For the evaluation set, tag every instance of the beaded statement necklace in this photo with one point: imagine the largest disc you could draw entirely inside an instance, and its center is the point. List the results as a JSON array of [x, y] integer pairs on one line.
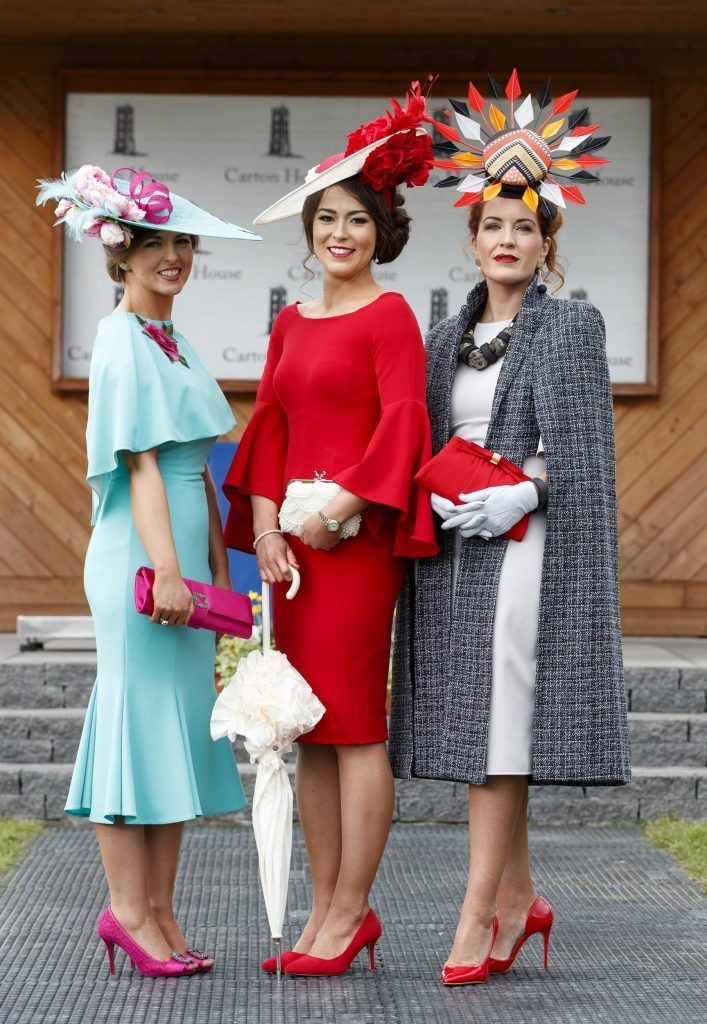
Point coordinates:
[[478, 357]]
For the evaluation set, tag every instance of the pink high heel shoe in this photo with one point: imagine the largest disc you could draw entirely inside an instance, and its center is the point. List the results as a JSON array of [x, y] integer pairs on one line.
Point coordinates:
[[113, 934]]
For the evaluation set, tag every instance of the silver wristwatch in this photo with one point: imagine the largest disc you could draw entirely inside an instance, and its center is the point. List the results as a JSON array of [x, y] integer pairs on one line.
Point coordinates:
[[332, 525]]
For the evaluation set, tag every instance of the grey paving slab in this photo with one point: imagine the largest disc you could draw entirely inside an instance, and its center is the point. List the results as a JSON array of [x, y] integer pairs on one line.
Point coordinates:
[[626, 949]]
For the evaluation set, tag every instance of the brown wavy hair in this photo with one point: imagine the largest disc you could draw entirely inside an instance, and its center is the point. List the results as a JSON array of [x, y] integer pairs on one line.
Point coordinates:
[[548, 229]]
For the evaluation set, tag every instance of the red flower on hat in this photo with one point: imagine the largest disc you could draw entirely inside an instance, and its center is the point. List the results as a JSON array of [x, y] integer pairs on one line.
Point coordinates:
[[398, 120], [404, 158]]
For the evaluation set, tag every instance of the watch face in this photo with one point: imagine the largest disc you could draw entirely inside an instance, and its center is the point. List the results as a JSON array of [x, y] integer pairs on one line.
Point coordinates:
[[332, 526]]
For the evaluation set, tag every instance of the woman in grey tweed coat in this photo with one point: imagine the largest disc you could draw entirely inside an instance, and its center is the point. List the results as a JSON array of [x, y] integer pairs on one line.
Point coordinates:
[[553, 388]]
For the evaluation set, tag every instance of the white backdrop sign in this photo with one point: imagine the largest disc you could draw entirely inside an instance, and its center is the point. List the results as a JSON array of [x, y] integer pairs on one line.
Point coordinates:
[[236, 154]]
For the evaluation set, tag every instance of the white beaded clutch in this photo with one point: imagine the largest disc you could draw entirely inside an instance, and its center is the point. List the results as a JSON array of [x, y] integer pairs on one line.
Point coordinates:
[[304, 498]]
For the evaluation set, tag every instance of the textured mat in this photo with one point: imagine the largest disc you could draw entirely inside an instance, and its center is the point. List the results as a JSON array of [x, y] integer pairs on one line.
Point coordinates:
[[627, 945]]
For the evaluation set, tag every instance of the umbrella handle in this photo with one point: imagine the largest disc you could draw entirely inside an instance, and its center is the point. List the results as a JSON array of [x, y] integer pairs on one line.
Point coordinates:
[[291, 593]]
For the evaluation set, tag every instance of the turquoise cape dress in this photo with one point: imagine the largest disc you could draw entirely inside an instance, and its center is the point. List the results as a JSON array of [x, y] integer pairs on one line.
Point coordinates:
[[146, 753]]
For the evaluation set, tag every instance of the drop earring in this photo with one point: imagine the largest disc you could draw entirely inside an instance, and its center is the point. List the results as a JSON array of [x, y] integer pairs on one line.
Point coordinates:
[[477, 261]]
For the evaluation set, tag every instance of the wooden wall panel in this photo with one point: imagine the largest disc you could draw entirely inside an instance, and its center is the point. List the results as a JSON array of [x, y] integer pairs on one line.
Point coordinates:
[[44, 504]]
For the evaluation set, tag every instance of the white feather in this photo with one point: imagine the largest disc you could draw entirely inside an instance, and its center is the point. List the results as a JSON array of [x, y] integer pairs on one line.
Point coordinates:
[[569, 143], [525, 113], [552, 193], [469, 129], [472, 183]]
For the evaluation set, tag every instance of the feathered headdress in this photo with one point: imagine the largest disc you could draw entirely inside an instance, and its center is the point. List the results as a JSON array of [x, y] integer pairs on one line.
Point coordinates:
[[391, 150], [539, 155]]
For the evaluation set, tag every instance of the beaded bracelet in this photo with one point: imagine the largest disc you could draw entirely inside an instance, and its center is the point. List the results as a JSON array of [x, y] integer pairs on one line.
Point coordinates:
[[264, 534]]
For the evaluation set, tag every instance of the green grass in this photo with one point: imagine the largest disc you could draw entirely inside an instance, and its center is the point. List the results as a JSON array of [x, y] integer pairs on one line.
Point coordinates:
[[687, 841], [15, 836]]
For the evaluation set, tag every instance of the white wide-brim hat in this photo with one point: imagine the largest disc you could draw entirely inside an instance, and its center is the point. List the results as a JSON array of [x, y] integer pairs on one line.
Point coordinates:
[[330, 172]]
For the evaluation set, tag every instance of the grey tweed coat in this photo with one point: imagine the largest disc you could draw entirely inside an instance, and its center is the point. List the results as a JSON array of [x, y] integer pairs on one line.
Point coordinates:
[[554, 382]]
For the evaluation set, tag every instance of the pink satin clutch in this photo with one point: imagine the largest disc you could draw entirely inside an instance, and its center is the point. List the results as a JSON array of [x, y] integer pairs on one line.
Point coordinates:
[[215, 608]]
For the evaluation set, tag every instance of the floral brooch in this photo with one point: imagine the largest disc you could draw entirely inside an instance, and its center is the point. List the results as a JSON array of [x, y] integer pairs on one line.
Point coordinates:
[[164, 337]]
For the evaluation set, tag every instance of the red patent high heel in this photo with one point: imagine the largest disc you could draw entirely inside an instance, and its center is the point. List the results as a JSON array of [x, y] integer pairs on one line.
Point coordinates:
[[367, 935], [538, 922], [470, 974], [113, 934]]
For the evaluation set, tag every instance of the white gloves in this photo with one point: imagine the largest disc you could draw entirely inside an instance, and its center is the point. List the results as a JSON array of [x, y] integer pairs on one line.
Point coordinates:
[[487, 513]]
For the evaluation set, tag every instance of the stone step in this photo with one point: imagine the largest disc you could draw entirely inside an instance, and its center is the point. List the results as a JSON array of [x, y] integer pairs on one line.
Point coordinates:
[[60, 680], [38, 735], [39, 791], [666, 689], [35, 735], [668, 739], [43, 680]]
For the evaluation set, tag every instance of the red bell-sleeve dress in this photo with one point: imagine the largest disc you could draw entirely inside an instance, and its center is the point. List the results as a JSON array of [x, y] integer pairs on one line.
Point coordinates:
[[342, 396]]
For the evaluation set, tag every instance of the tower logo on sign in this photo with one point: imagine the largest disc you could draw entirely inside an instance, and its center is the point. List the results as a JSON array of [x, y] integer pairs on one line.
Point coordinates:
[[278, 301], [125, 131], [439, 305], [280, 133]]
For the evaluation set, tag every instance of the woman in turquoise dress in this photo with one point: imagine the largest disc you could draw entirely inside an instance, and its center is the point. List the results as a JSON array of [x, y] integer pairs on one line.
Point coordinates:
[[146, 762]]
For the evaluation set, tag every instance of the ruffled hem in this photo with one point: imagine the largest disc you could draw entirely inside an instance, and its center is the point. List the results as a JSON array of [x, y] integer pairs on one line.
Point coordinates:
[[257, 468], [103, 788], [400, 445]]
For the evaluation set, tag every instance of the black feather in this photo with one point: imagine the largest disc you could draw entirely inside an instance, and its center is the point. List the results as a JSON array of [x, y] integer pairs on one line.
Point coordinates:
[[548, 210], [578, 117], [494, 88], [591, 145], [445, 147], [585, 176], [544, 97], [460, 107], [447, 182]]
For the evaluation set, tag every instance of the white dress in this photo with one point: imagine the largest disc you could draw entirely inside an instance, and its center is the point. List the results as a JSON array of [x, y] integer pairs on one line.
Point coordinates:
[[518, 601]]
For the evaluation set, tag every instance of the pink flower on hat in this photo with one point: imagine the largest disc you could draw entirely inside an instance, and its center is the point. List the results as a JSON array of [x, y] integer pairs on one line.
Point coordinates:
[[92, 227], [63, 207], [89, 176], [113, 235]]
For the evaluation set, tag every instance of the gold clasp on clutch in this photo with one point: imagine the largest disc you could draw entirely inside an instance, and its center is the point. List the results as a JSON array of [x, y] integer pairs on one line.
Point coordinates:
[[495, 459]]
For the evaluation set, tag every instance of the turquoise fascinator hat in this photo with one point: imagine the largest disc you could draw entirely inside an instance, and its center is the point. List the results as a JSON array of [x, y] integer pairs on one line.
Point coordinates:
[[91, 202]]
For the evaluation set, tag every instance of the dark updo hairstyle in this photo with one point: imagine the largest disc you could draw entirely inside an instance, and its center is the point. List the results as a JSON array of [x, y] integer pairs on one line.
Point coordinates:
[[392, 224], [548, 229], [115, 255]]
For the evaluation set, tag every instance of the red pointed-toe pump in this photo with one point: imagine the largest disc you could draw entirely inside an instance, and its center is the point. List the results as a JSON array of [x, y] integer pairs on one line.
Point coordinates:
[[367, 935], [470, 974], [286, 957], [538, 922]]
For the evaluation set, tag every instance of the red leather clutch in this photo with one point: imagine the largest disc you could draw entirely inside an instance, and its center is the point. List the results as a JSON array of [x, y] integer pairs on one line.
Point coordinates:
[[463, 466], [215, 608]]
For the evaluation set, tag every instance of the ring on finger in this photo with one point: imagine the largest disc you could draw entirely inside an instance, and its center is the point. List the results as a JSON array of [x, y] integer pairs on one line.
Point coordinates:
[[164, 622]]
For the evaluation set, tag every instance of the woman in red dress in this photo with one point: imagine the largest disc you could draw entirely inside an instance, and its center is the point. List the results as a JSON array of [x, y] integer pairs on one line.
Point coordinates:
[[342, 397]]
